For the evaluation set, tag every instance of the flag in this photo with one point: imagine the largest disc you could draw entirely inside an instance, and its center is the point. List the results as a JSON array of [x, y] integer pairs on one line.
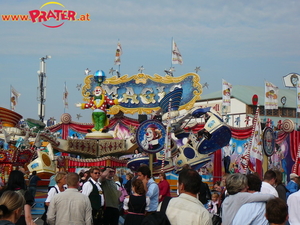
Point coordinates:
[[298, 96], [14, 95], [226, 92], [271, 96], [176, 56], [118, 54], [65, 96], [254, 147]]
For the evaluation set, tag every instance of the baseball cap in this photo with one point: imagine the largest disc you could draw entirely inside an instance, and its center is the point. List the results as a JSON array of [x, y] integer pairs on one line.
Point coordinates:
[[293, 175]]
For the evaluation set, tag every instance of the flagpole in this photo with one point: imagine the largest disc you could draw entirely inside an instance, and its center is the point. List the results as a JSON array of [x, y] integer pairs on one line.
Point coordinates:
[[10, 98], [172, 41], [296, 109], [120, 59], [65, 98]]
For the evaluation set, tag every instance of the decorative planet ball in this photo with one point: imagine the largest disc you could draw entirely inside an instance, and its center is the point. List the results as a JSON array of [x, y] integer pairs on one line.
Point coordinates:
[[99, 76]]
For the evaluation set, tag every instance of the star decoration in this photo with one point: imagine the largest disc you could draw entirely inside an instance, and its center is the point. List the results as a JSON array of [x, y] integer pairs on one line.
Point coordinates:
[[170, 71], [197, 69], [87, 71], [78, 116], [205, 85], [141, 69], [78, 87], [111, 71]]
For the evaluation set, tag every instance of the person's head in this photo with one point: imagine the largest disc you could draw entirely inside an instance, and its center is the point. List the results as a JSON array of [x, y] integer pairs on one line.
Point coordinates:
[[144, 173], [270, 177], [162, 176], [60, 178], [81, 174], [217, 186], [294, 177], [223, 182], [254, 183], [278, 177], [34, 172], [116, 178], [95, 173], [276, 211], [16, 180], [86, 174], [186, 167], [136, 151], [129, 176], [11, 205], [111, 172], [72, 180], [236, 183], [215, 196], [189, 182], [138, 187]]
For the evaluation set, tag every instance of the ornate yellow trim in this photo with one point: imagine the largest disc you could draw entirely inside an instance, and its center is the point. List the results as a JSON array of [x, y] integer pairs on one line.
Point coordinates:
[[143, 78]]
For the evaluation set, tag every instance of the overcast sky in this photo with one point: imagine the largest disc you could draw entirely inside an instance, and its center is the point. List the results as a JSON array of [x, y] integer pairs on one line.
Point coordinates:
[[243, 42]]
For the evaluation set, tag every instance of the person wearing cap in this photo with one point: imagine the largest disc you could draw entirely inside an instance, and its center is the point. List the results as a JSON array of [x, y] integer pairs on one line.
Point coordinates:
[[111, 195], [292, 186]]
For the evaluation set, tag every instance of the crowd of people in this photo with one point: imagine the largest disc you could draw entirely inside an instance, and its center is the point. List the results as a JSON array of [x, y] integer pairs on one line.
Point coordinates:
[[96, 196]]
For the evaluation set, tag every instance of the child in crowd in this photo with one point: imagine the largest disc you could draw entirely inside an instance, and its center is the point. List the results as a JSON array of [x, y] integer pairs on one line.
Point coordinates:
[[213, 205]]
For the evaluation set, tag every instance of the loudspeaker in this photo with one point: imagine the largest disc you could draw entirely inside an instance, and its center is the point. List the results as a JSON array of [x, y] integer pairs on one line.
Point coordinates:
[[142, 118]]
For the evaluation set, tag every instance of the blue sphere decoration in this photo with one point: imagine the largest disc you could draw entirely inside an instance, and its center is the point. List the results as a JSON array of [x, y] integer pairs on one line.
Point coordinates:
[[99, 76]]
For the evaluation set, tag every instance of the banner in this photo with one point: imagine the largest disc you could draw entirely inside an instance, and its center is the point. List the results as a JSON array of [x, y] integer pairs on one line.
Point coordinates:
[[118, 54], [14, 95], [176, 56], [226, 92], [256, 144], [271, 96]]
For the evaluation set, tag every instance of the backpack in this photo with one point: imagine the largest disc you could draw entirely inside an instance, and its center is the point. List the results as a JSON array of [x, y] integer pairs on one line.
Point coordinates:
[[44, 216], [158, 218], [123, 193]]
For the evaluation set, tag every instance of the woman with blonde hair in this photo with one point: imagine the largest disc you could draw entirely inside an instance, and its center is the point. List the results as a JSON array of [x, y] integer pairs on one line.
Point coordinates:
[[16, 182], [60, 180], [127, 186], [11, 207]]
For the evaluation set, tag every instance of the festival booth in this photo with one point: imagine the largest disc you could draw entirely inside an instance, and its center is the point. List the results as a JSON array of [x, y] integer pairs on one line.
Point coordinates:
[[12, 154]]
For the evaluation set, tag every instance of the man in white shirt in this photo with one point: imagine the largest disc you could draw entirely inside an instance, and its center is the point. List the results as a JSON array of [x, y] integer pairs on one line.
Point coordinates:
[[186, 208], [268, 183], [92, 188], [61, 209], [293, 202]]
